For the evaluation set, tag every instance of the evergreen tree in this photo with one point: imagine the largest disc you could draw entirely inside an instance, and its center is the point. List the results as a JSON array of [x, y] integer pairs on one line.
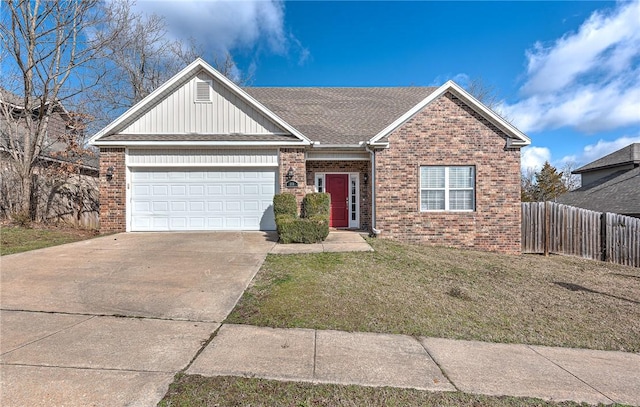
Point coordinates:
[[549, 183]]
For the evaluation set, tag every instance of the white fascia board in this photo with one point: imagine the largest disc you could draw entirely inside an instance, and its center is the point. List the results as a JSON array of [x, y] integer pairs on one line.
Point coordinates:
[[198, 64], [338, 146], [520, 139], [116, 143]]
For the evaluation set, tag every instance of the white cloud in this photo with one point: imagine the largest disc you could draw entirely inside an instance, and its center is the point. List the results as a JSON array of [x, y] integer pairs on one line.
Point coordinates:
[[226, 26], [588, 80], [598, 150], [534, 157]]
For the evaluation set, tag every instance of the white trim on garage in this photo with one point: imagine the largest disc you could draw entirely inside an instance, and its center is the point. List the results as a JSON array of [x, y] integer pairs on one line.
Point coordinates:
[[174, 157]]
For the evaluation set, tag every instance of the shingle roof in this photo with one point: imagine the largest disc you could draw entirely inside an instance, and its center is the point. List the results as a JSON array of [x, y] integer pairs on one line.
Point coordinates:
[[340, 115], [626, 155], [616, 193]]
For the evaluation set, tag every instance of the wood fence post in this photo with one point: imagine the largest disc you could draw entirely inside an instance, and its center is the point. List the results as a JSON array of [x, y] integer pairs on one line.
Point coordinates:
[[604, 246], [547, 227]]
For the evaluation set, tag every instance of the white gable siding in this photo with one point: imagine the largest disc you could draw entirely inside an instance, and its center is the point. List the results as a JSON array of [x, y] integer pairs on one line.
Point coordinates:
[[179, 113]]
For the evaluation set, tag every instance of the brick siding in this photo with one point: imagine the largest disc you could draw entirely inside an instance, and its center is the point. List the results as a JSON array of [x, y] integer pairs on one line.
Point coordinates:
[[361, 167], [447, 132], [293, 158], [112, 192]]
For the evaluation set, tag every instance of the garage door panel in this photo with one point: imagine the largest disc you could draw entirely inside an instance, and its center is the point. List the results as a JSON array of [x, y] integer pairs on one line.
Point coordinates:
[[216, 199]]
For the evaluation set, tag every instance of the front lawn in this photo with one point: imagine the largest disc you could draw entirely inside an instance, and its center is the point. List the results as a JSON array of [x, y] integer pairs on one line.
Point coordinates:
[[16, 239], [194, 390], [441, 292]]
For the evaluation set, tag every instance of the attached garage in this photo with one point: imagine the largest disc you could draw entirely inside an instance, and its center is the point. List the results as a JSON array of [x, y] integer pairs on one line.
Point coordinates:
[[202, 199], [197, 154], [201, 189]]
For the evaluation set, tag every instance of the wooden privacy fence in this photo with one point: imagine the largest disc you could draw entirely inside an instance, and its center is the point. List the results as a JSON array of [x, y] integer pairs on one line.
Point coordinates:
[[549, 227]]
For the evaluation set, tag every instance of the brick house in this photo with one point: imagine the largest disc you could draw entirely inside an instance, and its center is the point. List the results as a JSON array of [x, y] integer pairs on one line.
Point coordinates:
[[421, 164]]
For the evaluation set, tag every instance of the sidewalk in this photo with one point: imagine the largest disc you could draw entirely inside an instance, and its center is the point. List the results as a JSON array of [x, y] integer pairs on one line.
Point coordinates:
[[369, 359], [337, 241]]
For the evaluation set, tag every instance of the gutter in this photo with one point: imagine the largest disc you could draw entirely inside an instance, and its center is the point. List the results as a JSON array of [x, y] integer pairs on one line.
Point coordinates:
[[374, 231]]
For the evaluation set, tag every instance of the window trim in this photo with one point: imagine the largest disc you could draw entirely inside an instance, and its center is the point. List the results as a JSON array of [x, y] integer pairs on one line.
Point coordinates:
[[446, 189]]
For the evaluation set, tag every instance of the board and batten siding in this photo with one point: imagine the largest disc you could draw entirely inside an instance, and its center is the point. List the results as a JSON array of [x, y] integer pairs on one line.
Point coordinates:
[[145, 157], [179, 113]]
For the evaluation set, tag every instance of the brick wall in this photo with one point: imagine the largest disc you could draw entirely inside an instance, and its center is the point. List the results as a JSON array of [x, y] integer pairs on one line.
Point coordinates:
[[362, 167], [293, 158], [447, 132], [112, 192]]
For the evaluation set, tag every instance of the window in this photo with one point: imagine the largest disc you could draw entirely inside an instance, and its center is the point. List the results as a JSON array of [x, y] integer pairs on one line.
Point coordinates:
[[203, 91], [447, 188], [320, 182]]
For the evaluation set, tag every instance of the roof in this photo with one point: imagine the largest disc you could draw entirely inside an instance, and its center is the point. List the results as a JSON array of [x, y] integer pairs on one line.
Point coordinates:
[[340, 115], [627, 155], [616, 193], [199, 65], [328, 116]]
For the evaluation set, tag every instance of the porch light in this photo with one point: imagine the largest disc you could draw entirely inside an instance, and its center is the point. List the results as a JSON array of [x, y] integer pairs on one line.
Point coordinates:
[[109, 173], [290, 174]]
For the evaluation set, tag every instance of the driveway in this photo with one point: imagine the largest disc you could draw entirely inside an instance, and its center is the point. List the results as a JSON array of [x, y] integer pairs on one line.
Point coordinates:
[[109, 321]]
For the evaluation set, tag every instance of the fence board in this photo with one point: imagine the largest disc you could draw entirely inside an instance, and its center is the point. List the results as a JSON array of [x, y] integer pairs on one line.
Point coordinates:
[[562, 229]]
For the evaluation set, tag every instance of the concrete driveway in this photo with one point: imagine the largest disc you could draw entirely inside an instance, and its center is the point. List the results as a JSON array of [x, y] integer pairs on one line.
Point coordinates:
[[109, 321]]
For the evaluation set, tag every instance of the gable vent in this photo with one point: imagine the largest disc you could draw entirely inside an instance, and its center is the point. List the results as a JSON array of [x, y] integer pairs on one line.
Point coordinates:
[[203, 91]]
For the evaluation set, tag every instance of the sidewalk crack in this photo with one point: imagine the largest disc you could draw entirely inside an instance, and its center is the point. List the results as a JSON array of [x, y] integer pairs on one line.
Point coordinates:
[[446, 376], [48, 336], [571, 373], [315, 352]]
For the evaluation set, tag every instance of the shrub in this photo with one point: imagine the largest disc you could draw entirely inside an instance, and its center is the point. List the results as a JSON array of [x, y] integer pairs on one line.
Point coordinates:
[[302, 230], [316, 204], [285, 204], [312, 227]]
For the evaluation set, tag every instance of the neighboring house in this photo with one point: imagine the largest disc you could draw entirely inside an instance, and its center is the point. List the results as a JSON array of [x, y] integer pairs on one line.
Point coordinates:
[[609, 184], [420, 164], [68, 194]]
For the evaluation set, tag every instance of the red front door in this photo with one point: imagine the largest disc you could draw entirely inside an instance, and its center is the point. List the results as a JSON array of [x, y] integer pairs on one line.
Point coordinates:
[[338, 187]]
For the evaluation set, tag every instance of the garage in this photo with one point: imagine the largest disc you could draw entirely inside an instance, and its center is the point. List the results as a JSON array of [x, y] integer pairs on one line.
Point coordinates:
[[202, 199]]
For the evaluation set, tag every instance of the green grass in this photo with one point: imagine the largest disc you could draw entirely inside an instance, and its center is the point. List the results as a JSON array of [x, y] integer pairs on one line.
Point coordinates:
[[194, 390], [441, 292], [16, 239]]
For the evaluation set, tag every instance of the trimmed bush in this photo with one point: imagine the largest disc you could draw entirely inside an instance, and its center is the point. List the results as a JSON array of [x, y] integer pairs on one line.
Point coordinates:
[[285, 204], [302, 230], [312, 227], [316, 204]]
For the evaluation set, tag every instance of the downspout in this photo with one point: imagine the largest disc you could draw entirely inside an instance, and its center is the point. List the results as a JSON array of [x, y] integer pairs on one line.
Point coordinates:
[[374, 231]]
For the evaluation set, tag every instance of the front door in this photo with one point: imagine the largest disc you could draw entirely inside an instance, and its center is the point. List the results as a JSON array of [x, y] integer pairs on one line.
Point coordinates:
[[338, 187]]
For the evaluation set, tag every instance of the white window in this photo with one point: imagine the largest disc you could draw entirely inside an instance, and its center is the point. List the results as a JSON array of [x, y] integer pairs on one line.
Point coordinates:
[[203, 90], [447, 188]]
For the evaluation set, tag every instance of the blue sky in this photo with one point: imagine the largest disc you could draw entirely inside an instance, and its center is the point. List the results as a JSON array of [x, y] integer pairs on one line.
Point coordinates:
[[567, 73]]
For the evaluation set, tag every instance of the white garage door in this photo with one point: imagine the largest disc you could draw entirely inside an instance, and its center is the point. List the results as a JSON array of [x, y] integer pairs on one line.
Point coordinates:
[[202, 199]]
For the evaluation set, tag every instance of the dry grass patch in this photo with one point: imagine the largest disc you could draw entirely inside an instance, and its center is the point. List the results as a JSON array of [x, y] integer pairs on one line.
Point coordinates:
[[194, 390], [441, 292], [16, 239]]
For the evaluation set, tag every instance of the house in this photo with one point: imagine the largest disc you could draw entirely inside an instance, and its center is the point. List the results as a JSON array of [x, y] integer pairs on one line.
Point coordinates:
[[420, 164], [65, 178], [609, 184]]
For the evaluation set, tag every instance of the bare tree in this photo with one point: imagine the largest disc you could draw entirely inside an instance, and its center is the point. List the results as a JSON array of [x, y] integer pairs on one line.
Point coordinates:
[[142, 56], [487, 94], [528, 185], [47, 55], [570, 181]]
